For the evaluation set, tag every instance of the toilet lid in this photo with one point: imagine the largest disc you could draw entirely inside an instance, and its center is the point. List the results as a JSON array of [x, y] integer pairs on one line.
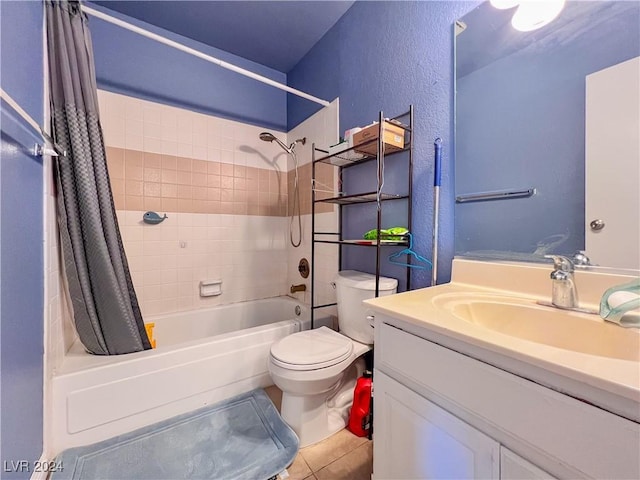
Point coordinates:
[[312, 349]]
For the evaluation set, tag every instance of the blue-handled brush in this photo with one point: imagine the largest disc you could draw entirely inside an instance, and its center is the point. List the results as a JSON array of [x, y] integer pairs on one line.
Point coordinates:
[[437, 181]]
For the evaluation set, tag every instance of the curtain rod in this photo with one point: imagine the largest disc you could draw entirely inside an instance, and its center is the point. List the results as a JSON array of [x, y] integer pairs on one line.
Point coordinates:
[[20, 111], [39, 150], [203, 56]]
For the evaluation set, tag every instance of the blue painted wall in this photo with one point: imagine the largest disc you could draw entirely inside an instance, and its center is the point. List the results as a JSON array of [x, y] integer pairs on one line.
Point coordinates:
[[386, 56], [130, 64], [241, 27], [21, 237], [521, 124]]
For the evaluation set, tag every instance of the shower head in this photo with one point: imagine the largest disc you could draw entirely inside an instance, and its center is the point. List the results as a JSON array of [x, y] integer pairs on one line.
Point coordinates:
[[270, 137], [267, 137]]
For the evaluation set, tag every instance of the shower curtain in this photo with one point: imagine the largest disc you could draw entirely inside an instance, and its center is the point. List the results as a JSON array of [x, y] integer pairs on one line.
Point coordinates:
[[105, 308]]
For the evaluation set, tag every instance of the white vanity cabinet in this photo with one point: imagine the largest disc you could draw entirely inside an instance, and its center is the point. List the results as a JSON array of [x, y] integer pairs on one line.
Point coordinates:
[[514, 467], [440, 413], [417, 439]]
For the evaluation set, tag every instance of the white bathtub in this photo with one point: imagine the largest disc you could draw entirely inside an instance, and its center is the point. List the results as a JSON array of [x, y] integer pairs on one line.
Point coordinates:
[[202, 357]]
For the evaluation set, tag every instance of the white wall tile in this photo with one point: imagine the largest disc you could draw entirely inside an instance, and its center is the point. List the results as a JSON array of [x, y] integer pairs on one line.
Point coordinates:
[[153, 145], [200, 152], [169, 119], [226, 156], [114, 132], [185, 127], [58, 331], [226, 127], [247, 253], [132, 233], [213, 140], [185, 150], [212, 251], [135, 248], [227, 143], [135, 263], [152, 278], [134, 142], [185, 303], [321, 129], [156, 131], [169, 147], [168, 132], [152, 113], [132, 107], [239, 158], [199, 130], [213, 154], [118, 104], [134, 127]]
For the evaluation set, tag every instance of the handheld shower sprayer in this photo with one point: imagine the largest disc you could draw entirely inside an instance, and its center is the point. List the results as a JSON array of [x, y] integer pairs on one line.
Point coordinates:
[[270, 137]]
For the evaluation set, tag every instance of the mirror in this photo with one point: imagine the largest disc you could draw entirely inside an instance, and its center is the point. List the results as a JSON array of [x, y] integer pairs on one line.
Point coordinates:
[[526, 124]]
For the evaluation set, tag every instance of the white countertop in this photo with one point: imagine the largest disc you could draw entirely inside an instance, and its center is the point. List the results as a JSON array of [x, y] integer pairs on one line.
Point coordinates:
[[611, 383]]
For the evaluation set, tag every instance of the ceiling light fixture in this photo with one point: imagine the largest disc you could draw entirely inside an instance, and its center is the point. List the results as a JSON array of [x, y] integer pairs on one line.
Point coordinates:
[[534, 14], [505, 4]]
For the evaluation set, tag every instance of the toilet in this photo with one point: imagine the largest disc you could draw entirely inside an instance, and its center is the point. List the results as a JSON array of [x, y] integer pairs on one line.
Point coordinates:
[[317, 369]]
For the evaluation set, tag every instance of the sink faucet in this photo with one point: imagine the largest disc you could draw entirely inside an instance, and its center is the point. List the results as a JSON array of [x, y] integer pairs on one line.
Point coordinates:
[[563, 293]]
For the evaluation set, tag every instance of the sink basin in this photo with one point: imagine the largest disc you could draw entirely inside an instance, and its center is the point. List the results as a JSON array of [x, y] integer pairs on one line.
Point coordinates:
[[529, 321]]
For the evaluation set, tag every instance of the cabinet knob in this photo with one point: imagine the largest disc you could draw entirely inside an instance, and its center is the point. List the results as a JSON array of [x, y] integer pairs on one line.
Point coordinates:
[[596, 225], [371, 319]]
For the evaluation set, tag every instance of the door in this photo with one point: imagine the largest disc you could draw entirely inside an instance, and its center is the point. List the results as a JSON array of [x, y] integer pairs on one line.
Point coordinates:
[[416, 439], [612, 164]]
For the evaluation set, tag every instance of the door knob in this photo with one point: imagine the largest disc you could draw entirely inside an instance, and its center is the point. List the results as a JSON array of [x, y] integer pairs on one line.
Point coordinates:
[[596, 225]]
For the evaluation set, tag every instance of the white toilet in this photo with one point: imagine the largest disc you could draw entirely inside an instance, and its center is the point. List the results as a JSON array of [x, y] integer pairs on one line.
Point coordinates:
[[317, 369]]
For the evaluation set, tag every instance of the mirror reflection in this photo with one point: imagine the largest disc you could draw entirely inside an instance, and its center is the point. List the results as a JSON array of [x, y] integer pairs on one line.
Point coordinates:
[[547, 134]]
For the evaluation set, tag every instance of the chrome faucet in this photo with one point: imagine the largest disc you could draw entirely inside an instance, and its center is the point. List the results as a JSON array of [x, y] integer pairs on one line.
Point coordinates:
[[580, 259], [563, 292]]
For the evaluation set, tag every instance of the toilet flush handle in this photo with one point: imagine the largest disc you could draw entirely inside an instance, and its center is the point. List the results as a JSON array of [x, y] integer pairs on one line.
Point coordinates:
[[371, 319]]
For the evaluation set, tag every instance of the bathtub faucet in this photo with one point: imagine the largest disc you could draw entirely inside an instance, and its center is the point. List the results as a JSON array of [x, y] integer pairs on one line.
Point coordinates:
[[298, 288]]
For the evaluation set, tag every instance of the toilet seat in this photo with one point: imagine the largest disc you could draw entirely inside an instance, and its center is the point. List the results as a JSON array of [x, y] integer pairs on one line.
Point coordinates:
[[311, 350]]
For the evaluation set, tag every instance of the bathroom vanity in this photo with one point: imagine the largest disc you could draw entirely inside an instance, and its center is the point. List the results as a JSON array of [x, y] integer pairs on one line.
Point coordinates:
[[475, 379]]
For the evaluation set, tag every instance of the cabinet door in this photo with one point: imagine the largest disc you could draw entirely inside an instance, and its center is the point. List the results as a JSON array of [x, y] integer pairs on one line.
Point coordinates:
[[416, 439], [514, 467]]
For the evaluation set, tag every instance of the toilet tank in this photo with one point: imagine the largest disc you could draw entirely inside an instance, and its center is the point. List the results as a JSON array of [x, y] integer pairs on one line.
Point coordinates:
[[352, 287]]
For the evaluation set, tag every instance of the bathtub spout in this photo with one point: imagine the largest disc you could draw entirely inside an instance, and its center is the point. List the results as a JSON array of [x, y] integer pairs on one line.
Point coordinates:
[[298, 288]]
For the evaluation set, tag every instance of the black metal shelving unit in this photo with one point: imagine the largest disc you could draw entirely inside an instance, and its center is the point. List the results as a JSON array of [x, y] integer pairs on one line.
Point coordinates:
[[348, 158]]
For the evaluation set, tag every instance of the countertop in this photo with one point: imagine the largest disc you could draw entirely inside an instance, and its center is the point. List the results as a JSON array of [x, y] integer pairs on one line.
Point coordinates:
[[610, 383]]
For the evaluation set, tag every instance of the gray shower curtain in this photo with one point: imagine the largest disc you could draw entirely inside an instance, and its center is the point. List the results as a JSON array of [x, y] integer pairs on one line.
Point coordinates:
[[105, 308]]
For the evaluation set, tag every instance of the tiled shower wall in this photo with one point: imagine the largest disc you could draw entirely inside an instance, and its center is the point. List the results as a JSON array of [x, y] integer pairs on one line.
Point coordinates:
[[323, 130], [150, 181], [223, 190], [226, 196], [227, 207]]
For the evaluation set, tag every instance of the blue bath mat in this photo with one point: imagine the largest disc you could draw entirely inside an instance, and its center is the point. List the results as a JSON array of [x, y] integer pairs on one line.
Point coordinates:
[[241, 438]]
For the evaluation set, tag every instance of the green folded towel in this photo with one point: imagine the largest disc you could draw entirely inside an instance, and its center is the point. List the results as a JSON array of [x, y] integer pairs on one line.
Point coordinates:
[[393, 234]]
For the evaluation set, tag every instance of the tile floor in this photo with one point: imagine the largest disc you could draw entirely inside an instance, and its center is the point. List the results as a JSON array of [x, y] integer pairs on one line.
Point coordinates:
[[341, 456]]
